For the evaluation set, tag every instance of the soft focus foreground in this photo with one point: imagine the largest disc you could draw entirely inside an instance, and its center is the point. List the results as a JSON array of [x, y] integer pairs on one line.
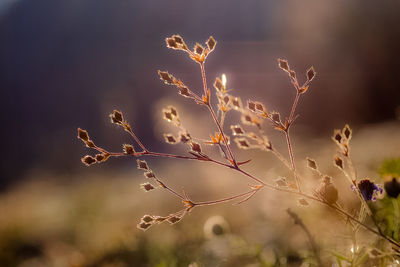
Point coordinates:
[[92, 221]]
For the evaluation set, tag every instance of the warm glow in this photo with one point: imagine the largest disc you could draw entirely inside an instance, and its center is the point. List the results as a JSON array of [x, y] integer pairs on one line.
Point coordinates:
[[223, 80], [354, 250]]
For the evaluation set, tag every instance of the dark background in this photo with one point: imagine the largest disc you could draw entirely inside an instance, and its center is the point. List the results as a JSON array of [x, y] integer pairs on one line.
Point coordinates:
[[67, 64]]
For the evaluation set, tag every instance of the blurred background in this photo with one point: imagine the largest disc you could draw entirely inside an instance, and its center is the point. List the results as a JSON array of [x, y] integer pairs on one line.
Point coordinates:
[[68, 64]]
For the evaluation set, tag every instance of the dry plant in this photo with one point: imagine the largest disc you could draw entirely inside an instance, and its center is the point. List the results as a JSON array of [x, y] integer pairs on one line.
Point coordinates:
[[252, 115]]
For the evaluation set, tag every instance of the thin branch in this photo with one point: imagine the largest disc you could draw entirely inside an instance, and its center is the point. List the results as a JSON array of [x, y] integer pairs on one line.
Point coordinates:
[[213, 202], [313, 244], [290, 149], [207, 94], [295, 102], [136, 139]]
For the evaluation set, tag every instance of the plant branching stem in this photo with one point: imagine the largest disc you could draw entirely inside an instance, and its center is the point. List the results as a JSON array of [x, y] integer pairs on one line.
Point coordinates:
[[291, 155], [221, 131], [252, 192], [137, 139]]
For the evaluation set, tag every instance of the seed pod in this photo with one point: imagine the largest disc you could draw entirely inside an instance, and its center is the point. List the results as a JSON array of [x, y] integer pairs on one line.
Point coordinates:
[[328, 191]]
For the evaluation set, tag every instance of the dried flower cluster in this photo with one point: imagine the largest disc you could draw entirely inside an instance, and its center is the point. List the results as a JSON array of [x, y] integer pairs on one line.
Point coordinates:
[[253, 113]]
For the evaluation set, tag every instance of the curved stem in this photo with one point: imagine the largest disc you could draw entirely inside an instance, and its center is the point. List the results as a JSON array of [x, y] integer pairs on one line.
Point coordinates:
[[213, 202]]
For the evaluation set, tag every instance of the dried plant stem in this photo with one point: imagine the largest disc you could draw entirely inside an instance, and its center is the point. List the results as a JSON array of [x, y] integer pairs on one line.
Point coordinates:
[[247, 194], [313, 244], [221, 131], [136, 139], [290, 149], [213, 202], [282, 159], [293, 109]]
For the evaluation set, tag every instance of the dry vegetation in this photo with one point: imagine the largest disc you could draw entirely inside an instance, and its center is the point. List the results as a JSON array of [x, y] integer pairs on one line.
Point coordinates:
[[250, 133]]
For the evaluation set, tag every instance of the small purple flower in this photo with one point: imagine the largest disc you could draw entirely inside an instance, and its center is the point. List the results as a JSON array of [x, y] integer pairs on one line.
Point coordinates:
[[368, 189]]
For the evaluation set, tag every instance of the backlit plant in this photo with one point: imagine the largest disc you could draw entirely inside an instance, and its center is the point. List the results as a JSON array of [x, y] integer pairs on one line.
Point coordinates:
[[252, 114]]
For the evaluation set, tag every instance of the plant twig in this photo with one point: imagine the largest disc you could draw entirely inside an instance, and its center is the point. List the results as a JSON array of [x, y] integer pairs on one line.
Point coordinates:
[[313, 244]]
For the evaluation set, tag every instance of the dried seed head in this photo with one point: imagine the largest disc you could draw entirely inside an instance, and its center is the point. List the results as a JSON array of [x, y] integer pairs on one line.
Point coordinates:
[[198, 49], [170, 139], [237, 130], [283, 64], [247, 119], [276, 117], [117, 117], [211, 43], [184, 91], [347, 132], [184, 137], [90, 144], [88, 160], [178, 39], [375, 253], [174, 219], [166, 77], [218, 85], [143, 226], [149, 174], [83, 135], [328, 192], [176, 42], [251, 105], [260, 107], [147, 218], [142, 164], [195, 147], [171, 115], [281, 181], [128, 149], [168, 116], [242, 143], [171, 43], [147, 187], [102, 157], [337, 136], [339, 162], [226, 100], [312, 164], [236, 103], [173, 111], [99, 157], [302, 202], [310, 74], [159, 219]]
